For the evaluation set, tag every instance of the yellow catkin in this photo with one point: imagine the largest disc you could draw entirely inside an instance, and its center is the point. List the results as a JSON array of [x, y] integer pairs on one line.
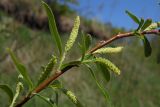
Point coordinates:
[[108, 50], [73, 34], [109, 65], [72, 97]]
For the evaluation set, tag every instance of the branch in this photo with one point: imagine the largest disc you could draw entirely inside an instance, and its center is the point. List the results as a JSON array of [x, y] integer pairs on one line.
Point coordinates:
[[119, 36], [44, 84]]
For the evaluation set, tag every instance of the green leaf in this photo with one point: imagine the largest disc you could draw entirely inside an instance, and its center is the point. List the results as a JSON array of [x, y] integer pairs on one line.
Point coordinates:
[[53, 28], [72, 97], [69, 65], [73, 34], [56, 84], [140, 24], [101, 88], [88, 58], [104, 70], [21, 68], [7, 90], [88, 40], [82, 49], [108, 50], [147, 46], [133, 17], [153, 26], [45, 99], [147, 23], [18, 90], [47, 70]]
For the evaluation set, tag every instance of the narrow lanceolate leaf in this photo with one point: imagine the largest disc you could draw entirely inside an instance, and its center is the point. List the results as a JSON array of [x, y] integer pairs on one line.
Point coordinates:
[[7, 90], [45, 99], [69, 65], [108, 50], [84, 46], [72, 97], [108, 64], [147, 46], [153, 26], [104, 70], [146, 24], [18, 90], [73, 34], [21, 68], [56, 85], [87, 40], [47, 70], [140, 24], [101, 88], [133, 17], [53, 28]]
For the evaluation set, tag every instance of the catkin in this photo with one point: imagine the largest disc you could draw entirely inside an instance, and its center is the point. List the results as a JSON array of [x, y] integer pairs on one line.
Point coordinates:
[[108, 50], [109, 65], [73, 34]]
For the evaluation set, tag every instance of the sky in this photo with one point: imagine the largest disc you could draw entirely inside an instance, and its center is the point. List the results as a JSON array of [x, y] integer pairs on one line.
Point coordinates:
[[113, 11]]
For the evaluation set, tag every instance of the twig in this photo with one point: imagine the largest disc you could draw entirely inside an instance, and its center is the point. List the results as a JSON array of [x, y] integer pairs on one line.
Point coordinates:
[[44, 84]]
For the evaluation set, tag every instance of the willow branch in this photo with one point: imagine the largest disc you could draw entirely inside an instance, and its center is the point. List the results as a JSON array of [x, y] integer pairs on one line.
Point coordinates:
[[44, 84], [119, 36]]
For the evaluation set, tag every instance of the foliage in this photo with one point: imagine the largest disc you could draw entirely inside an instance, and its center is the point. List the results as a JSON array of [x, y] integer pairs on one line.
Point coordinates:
[[87, 58]]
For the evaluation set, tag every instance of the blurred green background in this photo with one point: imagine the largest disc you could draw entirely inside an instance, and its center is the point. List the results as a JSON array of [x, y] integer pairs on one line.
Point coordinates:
[[24, 29]]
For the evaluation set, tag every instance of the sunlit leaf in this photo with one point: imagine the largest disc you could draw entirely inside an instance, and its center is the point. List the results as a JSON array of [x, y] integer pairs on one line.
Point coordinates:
[[21, 68], [140, 24], [133, 17], [7, 90], [147, 23], [53, 28], [101, 88]]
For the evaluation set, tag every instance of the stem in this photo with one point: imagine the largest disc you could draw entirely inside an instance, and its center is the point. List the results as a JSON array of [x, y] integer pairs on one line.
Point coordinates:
[[119, 36], [44, 84]]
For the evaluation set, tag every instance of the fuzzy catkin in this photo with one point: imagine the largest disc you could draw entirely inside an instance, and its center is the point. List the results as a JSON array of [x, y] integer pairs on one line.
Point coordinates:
[[73, 34], [109, 65], [72, 97], [108, 50], [48, 69]]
